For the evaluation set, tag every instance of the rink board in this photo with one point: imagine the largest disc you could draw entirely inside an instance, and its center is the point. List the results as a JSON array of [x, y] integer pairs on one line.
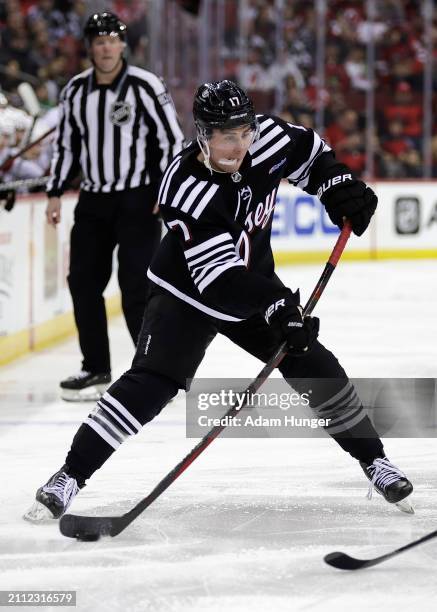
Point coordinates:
[[35, 304]]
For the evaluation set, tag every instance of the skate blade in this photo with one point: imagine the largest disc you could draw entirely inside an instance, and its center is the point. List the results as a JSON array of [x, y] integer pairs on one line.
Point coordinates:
[[89, 394], [38, 513], [405, 506]]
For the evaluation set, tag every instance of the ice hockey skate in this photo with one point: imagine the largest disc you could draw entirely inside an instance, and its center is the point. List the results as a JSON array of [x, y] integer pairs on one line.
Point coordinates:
[[390, 482], [84, 387], [53, 498]]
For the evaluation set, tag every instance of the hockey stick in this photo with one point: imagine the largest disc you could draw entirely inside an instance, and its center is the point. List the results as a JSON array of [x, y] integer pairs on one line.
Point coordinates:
[[92, 527], [31, 182], [345, 562]]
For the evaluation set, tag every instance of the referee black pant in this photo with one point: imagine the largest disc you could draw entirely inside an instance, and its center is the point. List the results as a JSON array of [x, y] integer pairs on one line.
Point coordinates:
[[101, 222]]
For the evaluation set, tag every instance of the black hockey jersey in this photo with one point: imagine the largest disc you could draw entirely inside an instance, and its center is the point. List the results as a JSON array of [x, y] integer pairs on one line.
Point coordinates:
[[217, 254]]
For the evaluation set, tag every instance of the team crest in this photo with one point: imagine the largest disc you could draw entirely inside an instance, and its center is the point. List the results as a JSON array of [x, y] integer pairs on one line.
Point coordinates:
[[244, 198], [246, 195], [121, 112]]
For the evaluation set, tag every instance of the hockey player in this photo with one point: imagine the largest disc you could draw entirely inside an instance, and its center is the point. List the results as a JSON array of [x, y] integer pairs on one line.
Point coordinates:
[[214, 273]]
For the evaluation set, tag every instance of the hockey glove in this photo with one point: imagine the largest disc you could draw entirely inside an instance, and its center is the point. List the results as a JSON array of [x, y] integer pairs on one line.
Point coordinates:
[[7, 199], [345, 196], [299, 333]]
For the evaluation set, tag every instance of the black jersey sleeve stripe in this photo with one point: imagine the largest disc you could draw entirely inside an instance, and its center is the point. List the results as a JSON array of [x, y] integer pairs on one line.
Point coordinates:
[[101, 136], [166, 148], [83, 117], [133, 146], [154, 152], [124, 85]]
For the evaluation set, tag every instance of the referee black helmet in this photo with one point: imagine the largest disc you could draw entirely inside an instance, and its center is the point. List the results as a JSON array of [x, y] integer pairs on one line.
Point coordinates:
[[104, 24]]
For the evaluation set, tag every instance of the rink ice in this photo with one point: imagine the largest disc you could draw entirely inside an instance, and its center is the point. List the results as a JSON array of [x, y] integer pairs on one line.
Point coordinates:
[[246, 527]]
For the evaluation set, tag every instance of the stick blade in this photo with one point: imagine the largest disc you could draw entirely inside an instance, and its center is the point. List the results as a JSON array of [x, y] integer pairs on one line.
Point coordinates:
[[87, 528], [343, 561]]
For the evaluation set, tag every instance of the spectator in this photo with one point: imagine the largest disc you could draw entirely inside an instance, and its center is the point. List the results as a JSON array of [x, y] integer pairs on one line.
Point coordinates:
[[356, 68], [406, 109]]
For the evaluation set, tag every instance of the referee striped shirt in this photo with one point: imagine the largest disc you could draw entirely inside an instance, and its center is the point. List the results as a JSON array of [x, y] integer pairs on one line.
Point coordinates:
[[120, 135]]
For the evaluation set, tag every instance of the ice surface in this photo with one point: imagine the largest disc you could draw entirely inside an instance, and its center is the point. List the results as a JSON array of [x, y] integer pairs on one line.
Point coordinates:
[[246, 527]]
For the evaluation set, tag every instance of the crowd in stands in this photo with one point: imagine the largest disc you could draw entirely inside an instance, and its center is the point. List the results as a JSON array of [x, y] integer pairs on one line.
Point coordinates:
[[397, 30], [42, 39]]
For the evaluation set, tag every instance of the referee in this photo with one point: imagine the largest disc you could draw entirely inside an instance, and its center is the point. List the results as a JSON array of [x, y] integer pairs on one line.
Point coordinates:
[[118, 126]]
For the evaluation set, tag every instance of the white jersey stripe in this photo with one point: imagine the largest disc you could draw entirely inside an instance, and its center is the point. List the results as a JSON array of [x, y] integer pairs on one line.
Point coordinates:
[[193, 195], [265, 139], [189, 300], [276, 147], [217, 263], [182, 189], [211, 242], [224, 247], [168, 181], [217, 271], [265, 124], [204, 201], [166, 176]]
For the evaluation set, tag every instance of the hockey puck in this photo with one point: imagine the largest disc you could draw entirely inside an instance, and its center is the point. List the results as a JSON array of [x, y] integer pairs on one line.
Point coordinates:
[[88, 537]]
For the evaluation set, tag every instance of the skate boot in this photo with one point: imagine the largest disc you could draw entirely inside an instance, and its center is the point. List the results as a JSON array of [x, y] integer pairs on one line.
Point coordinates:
[[390, 482], [53, 498], [84, 386]]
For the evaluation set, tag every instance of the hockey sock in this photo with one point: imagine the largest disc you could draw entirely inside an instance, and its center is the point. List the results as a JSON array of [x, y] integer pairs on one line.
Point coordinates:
[[361, 441], [133, 400], [347, 424]]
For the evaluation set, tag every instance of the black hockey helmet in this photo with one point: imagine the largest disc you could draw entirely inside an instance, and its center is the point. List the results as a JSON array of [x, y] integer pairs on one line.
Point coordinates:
[[222, 105], [104, 24]]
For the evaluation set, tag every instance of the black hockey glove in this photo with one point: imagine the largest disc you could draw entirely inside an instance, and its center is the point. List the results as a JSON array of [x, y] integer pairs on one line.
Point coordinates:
[[345, 196], [299, 333]]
